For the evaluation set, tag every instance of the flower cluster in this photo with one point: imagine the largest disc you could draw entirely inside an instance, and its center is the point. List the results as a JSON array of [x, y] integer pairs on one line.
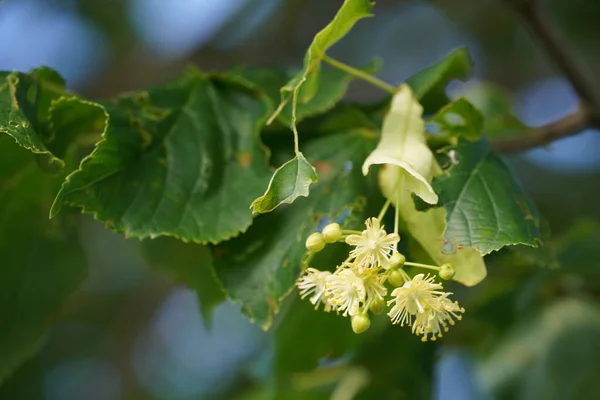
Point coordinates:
[[358, 285]]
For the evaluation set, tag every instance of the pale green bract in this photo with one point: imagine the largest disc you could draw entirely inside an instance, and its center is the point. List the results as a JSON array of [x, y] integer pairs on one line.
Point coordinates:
[[409, 166]]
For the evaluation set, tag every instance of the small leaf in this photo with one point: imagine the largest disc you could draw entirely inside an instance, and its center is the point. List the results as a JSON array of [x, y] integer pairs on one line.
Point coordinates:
[[289, 182], [497, 108], [183, 159], [402, 144], [459, 119], [347, 16], [486, 207], [429, 85], [260, 267], [189, 263]]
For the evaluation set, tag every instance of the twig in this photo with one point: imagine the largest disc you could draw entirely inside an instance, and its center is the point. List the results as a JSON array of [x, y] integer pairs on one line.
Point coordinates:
[[583, 83], [540, 136]]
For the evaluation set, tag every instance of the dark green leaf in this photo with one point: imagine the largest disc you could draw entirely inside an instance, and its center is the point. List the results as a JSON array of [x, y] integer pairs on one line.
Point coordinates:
[[182, 159], [486, 207], [25, 100], [189, 263], [42, 263], [289, 182], [260, 267], [429, 85]]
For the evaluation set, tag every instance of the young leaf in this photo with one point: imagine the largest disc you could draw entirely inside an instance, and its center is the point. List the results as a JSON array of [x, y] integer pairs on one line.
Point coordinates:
[[182, 160], [403, 144], [349, 14], [459, 119], [486, 207], [289, 182], [189, 263], [42, 263], [260, 267], [429, 85], [409, 166]]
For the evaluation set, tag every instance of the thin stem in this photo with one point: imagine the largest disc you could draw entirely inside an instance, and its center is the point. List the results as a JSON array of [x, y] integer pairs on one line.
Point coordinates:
[[384, 209], [404, 275], [294, 106], [419, 265], [359, 74]]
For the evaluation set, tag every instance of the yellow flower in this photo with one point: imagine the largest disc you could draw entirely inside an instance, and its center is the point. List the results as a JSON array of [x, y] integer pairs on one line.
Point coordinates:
[[345, 290], [373, 246], [422, 303], [375, 291], [313, 283]]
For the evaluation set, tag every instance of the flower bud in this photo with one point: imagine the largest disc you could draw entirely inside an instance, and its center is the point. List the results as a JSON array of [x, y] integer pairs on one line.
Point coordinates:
[[396, 278], [377, 306], [447, 271], [360, 323], [332, 232], [315, 242], [397, 260]]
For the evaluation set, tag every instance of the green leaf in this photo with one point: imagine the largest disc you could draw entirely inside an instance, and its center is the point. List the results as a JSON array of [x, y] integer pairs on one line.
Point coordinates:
[[42, 263], [497, 108], [402, 144], [24, 103], [289, 182], [409, 167], [429, 85], [347, 16], [260, 267], [183, 159], [486, 207], [459, 119], [190, 264]]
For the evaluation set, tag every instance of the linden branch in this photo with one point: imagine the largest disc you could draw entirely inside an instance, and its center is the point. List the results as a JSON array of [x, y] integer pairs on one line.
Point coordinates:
[[588, 114]]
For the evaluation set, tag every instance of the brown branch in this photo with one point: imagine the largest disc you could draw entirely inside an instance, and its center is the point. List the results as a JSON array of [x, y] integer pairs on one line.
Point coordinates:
[[583, 83], [540, 136]]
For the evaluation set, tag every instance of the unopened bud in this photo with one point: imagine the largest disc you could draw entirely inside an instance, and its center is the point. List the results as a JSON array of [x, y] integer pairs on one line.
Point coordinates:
[[447, 271], [397, 260], [360, 323], [377, 306], [396, 278], [332, 232], [315, 242]]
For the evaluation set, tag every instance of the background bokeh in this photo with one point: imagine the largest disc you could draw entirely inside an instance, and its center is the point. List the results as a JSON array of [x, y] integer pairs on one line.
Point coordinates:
[[531, 330]]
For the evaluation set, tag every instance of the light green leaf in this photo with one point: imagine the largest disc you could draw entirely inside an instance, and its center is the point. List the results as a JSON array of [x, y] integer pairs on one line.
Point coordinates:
[[409, 167], [347, 16], [42, 263], [260, 267], [486, 207], [183, 159], [429, 85], [190, 264], [289, 182], [402, 144], [459, 119]]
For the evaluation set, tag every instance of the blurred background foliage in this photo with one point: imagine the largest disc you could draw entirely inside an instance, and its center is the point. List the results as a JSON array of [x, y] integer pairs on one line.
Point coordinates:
[[132, 332]]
